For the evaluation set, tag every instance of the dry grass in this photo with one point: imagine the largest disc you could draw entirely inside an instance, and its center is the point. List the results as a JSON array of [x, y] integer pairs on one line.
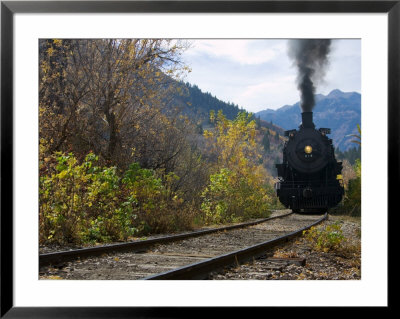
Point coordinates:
[[280, 253]]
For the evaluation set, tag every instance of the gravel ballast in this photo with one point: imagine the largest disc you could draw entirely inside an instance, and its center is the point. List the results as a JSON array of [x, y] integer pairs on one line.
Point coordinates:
[[343, 263], [338, 264]]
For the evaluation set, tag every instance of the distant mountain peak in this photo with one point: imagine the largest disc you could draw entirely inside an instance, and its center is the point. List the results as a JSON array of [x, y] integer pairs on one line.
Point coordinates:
[[335, 93], [340, 94], [340, 111], [269, 110]]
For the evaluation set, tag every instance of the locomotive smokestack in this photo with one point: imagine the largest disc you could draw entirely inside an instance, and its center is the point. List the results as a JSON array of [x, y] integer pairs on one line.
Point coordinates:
[[307, 120], [310, 56]]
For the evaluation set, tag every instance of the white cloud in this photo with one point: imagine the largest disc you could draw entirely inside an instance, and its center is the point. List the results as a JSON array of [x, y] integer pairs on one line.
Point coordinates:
[[240, 51], [271, 86], [257, 74], [269, 94]]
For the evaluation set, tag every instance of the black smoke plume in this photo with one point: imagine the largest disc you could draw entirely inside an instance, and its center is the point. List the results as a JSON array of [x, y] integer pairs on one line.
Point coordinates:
[[311, 58]]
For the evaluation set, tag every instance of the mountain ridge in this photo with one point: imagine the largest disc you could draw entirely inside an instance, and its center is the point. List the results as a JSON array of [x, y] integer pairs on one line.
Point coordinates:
[[340, 111]]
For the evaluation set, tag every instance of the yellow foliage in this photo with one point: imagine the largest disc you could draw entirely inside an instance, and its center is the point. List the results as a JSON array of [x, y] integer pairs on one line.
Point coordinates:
[[238, 189], [54, 277]]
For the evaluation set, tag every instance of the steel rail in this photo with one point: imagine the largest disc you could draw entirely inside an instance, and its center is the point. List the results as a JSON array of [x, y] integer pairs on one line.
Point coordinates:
[[62, 256], [201, 270]]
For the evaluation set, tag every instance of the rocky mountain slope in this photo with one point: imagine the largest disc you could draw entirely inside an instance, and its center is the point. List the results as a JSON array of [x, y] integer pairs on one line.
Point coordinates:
[[339, 111]]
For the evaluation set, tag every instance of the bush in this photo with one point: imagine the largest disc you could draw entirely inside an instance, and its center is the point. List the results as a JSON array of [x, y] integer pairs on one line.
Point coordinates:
[[330, 237], [352, 200], [238, 189], [159, 208], [81, 203], [231, 198]]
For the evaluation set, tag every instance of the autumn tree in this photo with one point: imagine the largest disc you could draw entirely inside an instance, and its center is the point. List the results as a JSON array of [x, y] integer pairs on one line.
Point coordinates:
[[352, 201], [238, 189], [114, 98], [62, 89], [348, 172], [101, 95]]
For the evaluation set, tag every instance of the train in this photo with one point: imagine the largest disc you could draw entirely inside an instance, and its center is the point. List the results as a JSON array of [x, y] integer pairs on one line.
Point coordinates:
[[309, 177]]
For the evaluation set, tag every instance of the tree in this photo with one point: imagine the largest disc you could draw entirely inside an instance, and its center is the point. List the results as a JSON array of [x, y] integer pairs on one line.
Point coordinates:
[[114, 98], [101, 94], [237, 187], [352, 201], [358, 137], [258, 122], [348, 172], [265, 142], [62, 89]]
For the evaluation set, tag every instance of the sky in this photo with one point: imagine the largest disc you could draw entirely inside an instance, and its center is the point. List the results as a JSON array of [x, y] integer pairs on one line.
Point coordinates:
[[258, 74]]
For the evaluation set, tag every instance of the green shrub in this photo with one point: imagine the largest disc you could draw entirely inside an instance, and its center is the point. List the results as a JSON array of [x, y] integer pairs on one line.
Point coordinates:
[[330, 237], [81, 203], [231, 198]]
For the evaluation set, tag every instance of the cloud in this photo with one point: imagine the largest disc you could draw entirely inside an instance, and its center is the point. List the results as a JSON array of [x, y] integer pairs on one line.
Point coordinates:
[[344, 72], [257, 74], [269, 94], [245, 52], [271, 85]]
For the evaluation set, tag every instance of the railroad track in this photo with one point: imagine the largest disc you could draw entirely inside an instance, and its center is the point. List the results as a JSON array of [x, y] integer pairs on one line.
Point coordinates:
[[186, 256], [139, 245]]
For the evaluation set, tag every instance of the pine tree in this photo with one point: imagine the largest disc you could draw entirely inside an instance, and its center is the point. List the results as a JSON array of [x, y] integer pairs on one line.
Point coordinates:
[[265, 142]]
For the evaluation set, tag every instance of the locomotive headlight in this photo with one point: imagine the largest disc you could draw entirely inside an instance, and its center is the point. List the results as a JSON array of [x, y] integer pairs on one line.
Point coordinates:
[[308, 149]]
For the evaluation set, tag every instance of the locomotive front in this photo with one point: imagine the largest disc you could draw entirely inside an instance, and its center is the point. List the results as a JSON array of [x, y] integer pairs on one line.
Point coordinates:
[[309, 177]]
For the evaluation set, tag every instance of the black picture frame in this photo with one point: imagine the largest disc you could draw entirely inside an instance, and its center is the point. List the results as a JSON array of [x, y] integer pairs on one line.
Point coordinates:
[[9, 8]]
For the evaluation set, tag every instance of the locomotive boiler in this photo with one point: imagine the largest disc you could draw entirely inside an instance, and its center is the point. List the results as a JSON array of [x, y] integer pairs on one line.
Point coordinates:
[[309, 177]]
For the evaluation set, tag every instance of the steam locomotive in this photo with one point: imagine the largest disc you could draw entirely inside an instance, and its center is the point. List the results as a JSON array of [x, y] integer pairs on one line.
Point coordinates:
[[310, 177]]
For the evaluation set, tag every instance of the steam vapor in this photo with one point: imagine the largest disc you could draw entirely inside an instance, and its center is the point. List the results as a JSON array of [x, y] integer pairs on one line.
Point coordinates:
[[311, 58]]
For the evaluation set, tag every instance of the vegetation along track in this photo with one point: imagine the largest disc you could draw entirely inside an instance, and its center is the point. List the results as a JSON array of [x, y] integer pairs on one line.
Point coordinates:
[[190, 258]]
